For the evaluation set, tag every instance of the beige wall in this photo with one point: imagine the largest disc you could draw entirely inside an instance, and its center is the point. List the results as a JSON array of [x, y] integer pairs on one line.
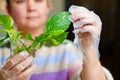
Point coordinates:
[[58, 5]]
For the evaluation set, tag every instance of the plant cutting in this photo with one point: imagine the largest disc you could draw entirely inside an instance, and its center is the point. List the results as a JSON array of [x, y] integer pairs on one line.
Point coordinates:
[[54, 35]]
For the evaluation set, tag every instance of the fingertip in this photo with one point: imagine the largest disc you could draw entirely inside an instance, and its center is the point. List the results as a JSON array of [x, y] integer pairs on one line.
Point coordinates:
[[73, 7], [24, 53]]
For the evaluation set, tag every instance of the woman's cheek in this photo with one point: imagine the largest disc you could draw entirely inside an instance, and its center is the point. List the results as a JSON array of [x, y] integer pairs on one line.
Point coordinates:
[[18, 14]]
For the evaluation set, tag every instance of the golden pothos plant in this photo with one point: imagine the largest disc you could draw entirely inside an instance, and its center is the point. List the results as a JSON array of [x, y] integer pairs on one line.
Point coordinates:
[[54, 35]]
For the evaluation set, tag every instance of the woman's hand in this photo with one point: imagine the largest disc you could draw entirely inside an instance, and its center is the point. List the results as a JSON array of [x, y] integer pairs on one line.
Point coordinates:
[[18, 67], [87, 29], [87, 26]]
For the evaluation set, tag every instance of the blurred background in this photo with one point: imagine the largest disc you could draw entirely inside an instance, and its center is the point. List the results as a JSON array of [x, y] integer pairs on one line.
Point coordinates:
[[109, 12]]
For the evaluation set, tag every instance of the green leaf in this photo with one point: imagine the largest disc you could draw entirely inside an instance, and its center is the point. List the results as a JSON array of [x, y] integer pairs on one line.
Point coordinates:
[[55, 30], [16, 35], [56, 40], [6, 21], [42, 37], [29, 37], [58, 21], [54, 37], [3, 39]]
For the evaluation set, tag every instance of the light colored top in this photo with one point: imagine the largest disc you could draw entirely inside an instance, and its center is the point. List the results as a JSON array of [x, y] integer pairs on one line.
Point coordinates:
[[63, 62]]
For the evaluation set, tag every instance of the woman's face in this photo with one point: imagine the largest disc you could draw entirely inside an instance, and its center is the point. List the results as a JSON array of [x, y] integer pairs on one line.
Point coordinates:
[[29, 14]]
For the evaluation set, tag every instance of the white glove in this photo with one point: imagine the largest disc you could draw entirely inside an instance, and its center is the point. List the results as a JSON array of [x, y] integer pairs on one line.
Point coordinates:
[[18, 67], [87, 26]]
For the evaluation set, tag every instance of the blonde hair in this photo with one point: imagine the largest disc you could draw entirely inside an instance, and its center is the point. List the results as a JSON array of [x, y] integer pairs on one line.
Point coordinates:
[[2, 4], [50, 4]]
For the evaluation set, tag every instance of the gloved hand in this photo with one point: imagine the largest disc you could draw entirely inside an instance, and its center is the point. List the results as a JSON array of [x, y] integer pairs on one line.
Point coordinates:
[[87, 26], [18, 67]]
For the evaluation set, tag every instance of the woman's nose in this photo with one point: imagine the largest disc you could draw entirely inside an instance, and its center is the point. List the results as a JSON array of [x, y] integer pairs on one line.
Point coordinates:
[[30, 6]]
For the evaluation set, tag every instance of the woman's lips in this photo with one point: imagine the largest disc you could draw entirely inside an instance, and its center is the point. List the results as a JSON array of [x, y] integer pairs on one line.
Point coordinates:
[[32, 17]]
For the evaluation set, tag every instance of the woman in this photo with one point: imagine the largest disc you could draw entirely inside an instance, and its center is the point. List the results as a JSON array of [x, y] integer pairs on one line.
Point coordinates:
[[64, 62]]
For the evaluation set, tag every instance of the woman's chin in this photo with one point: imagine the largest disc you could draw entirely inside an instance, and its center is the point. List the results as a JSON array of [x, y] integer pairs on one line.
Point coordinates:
[[32, 27]]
